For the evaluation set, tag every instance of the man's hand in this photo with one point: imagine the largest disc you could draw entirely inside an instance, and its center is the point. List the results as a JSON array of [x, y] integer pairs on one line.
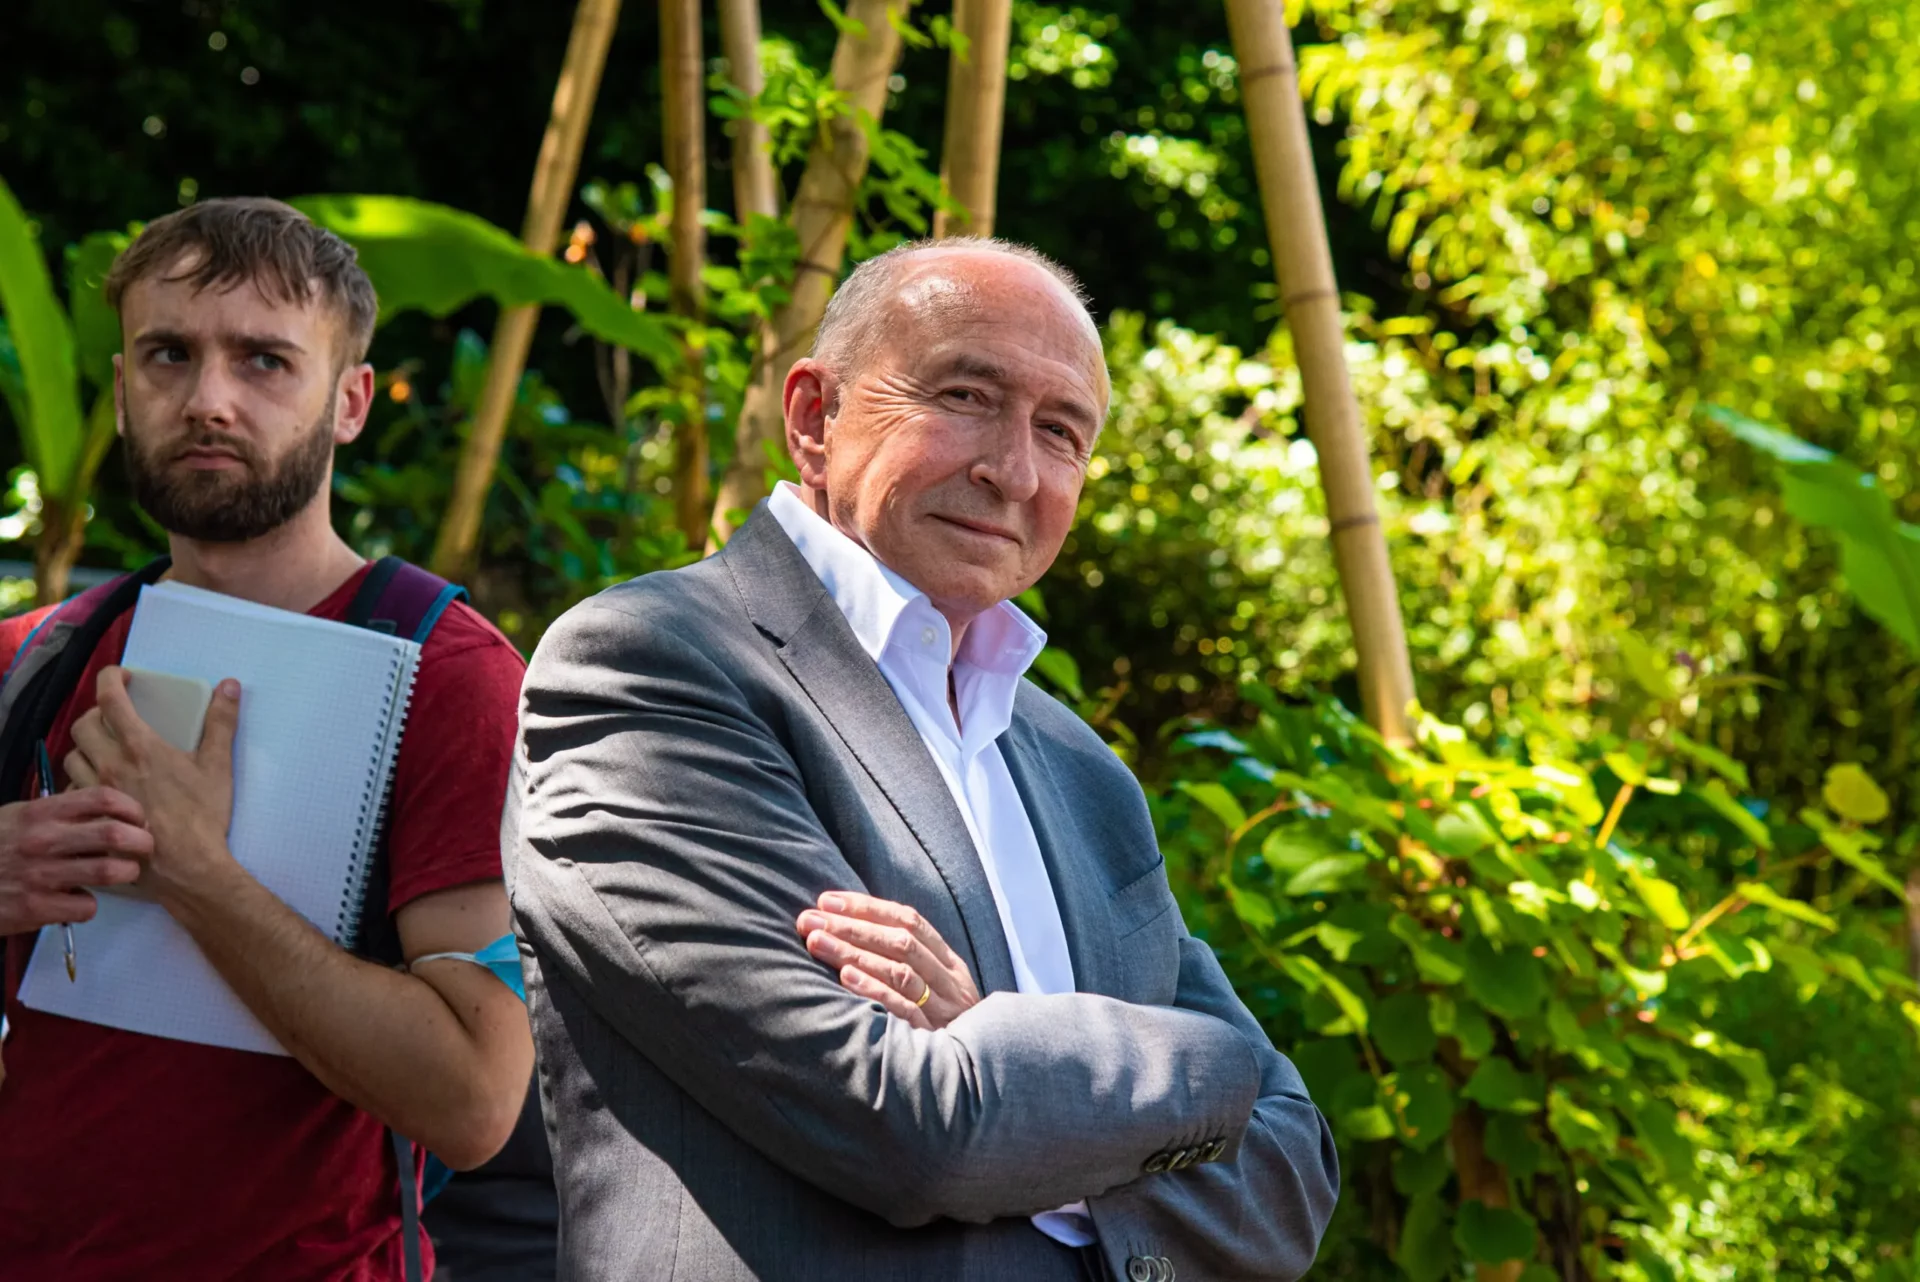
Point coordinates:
[[187, 798], [887, 952], [52, 846]]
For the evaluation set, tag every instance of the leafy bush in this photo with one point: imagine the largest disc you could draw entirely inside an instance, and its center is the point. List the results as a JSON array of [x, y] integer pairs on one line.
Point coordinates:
[[1518, 983]]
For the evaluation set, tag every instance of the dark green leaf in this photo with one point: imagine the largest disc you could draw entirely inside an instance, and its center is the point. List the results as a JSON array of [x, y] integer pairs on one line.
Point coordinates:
[[1426, 1240], [1509, 1141], [1421, 1172], [1403, 1029], [1498, 1085], [1439, 960], [1491, 1234], [1509, 983], [1426, 1105], [96, 326]]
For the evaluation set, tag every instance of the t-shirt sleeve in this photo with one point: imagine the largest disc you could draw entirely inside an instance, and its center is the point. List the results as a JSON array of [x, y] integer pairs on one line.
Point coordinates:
[[451, 782]]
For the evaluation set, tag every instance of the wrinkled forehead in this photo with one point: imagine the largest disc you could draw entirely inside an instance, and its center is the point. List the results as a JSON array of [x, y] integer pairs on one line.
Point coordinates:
[[960, 292]]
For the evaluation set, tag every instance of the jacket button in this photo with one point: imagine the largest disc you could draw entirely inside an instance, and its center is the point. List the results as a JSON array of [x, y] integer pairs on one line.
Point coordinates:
[[1183, 1159], [1214, 1151], [1156, 1164], [1166, 1267], [1141, 1269]]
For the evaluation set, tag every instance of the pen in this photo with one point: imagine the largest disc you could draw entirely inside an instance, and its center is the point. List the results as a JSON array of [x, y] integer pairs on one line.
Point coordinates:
[[46, 790]]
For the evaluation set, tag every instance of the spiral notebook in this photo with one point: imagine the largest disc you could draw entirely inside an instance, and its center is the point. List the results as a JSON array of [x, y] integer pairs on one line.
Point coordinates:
[[322, 707]]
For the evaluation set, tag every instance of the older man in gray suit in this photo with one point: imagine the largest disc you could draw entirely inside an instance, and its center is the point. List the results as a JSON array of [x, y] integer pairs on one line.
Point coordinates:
[[854, 955]]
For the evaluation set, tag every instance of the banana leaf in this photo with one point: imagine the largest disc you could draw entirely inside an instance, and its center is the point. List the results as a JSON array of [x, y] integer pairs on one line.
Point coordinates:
[[1879, 553], [47, 408], [434, 258]]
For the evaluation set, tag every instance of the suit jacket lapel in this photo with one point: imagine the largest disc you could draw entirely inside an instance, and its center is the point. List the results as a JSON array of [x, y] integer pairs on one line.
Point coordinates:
[[1080, 884], [785, 599]]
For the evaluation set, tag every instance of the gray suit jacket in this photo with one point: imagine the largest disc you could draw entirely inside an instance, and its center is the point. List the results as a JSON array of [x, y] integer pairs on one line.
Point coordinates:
[[705, 752]]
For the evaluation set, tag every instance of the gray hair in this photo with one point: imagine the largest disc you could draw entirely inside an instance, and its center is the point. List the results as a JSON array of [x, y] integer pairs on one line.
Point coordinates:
[[857, 310]]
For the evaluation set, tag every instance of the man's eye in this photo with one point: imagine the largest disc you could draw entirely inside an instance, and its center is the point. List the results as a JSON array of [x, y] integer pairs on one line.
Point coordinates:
[[267, 361], [170, 355], [1060, 430], [963, 394]]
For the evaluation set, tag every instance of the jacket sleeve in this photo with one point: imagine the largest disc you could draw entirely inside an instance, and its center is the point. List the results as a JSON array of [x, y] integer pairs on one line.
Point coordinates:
[[1259, 1215], [665, 845]]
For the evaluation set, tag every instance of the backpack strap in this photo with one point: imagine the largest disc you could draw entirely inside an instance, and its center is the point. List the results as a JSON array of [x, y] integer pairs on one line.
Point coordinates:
[[397, 598], [50, 663], [401, 599]]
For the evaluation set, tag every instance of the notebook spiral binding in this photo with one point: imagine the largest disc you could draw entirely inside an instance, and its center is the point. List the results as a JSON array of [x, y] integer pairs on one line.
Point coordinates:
[[374, 801]]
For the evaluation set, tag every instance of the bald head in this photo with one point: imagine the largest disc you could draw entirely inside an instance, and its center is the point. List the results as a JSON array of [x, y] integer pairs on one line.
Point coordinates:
[[947, 415], [931, 285]]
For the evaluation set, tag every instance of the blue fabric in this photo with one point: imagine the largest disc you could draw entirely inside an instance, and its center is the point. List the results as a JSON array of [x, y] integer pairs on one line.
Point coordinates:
[[502, 957]]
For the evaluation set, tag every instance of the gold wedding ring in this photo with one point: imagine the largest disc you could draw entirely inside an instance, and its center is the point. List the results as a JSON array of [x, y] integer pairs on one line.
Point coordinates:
[[926, 991]]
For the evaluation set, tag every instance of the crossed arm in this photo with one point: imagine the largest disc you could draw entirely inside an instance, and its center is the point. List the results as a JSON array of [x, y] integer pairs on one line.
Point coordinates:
[[667, 847]]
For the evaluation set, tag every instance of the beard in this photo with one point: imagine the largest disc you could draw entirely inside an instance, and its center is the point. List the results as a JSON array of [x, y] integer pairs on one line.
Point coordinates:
[[231, 506]]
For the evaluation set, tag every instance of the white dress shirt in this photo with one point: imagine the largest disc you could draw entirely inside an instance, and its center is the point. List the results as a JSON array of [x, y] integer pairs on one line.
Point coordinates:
[[911, 642]]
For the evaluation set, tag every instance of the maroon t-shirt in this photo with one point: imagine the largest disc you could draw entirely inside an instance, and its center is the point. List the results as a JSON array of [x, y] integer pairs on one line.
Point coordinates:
[[128, 1156]]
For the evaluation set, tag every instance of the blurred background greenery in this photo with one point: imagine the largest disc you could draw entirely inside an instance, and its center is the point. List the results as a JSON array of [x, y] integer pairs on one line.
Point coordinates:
[[1565, 228]]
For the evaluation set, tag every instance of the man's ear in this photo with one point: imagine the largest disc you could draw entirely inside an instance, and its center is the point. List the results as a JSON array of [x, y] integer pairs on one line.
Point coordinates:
[[809, 385], [119, 397], [354, 401]]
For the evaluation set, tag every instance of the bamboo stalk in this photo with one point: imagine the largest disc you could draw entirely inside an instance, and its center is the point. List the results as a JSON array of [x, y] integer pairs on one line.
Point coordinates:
[[822, 212], [976, 108], [755, 187], [682, 68], [1303, 266], [553, 175]]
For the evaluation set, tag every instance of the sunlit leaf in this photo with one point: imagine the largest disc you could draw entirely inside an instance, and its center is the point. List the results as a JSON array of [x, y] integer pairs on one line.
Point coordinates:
[[1767, 897], [1216, 801], [435, 259], [1880, 553], [52, 430], [1854, 795], [1497, 1084]]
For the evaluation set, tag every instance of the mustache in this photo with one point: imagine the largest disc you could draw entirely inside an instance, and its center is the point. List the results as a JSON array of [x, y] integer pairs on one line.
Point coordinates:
[[233, 445]]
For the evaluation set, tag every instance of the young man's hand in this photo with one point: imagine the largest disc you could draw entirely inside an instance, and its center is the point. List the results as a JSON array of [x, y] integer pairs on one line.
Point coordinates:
[[187, 798], [50, 847]]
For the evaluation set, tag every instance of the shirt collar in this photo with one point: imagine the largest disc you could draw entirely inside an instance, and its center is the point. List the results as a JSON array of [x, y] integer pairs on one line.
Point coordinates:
[[875, 600]]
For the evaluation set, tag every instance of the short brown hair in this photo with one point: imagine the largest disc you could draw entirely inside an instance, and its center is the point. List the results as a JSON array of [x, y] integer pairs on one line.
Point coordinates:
[[224, 243]]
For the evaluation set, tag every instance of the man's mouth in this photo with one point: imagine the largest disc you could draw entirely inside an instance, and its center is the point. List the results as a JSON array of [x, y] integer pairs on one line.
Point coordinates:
[[210, 457], [984, 529]]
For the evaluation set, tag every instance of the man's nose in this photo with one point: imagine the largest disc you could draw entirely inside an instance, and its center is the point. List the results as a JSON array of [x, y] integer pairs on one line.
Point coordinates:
[[1008, 464], [211, 400]]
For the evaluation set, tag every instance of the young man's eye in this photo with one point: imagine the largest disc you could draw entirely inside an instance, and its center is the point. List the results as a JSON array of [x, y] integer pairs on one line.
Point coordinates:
[[169, 355], [268, 362]]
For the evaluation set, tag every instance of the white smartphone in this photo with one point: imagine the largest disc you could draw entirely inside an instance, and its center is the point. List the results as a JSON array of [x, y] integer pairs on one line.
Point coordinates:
[[176, 708]]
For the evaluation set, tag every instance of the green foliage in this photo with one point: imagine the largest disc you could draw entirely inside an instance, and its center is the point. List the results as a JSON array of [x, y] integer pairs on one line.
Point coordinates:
[[44, 396], [1879, 552], [436, 259], [1537, 948]]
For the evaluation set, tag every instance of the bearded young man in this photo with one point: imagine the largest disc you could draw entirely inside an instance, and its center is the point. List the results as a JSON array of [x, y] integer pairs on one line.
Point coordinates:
[[245, 330]]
